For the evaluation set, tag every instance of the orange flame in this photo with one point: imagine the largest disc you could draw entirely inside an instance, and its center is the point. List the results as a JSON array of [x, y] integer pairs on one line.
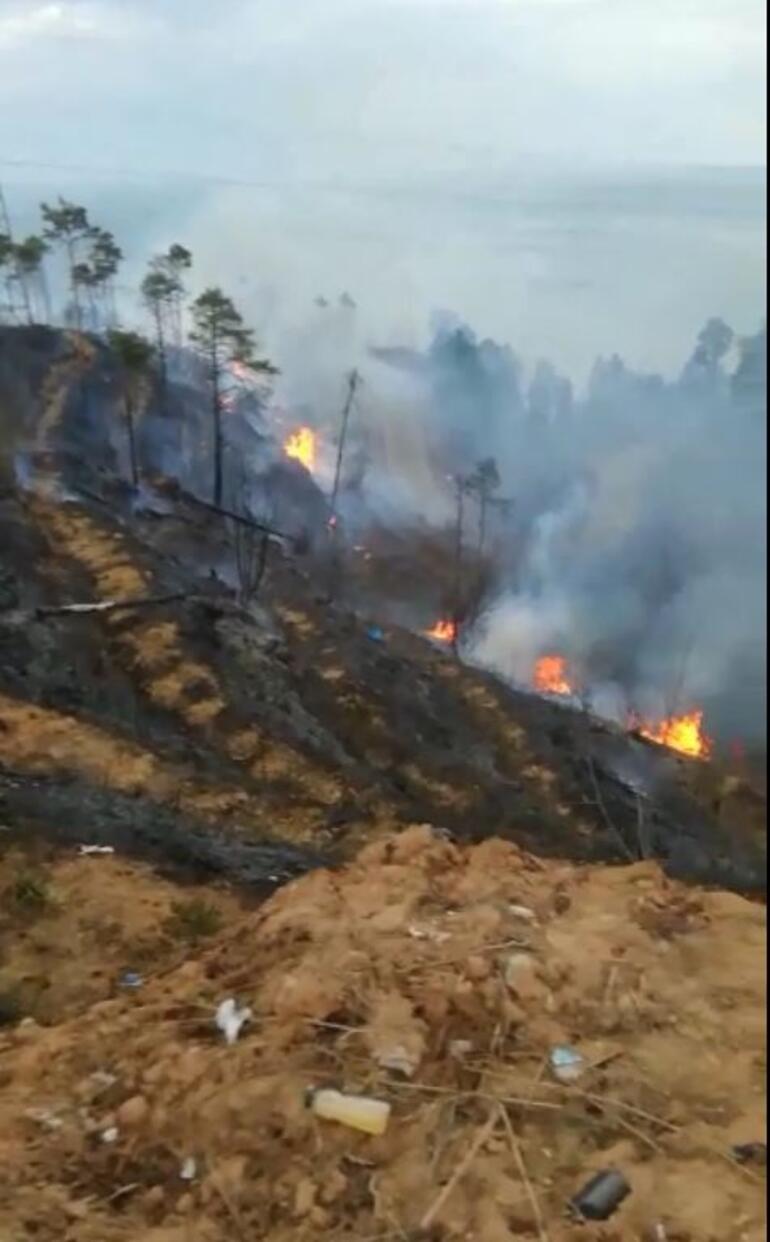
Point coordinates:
[[301, 447], [682, 733], [550, 675], [443, 631]]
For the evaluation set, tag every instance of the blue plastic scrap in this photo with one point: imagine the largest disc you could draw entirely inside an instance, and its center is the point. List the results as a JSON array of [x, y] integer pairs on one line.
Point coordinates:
[[130, 979]]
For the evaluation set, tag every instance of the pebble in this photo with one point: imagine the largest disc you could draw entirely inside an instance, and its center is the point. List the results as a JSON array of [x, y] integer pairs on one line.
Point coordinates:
[[521, 977], [132, 1112], [304, 1197]]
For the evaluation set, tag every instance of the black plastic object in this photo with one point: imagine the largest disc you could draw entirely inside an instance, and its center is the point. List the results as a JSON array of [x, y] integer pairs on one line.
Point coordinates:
[[750, 1153], [600, 1197]]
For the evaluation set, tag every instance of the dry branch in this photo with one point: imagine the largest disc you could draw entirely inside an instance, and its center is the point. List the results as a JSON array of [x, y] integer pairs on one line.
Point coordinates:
[[108, 605]]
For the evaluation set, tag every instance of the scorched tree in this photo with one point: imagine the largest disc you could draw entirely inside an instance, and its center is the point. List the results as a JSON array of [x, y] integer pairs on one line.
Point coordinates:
[[221, 339]]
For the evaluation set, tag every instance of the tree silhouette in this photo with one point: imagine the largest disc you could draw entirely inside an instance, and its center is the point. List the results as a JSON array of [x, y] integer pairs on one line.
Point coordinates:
[[67, 226], [7, 267], [483, 483], [134, 355], [29, 255], [104, 259], [163, 293], [220, 337]]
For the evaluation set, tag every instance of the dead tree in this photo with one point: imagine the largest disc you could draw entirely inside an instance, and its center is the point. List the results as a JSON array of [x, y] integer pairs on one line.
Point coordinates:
[[335, 567]]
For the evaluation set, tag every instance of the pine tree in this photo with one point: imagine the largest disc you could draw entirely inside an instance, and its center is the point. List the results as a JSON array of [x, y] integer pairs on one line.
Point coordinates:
[[134, 355], [67, 226], [221, 338]]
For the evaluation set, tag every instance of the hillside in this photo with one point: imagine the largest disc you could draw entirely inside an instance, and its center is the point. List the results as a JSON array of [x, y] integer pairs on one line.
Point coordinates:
[[223, 749]]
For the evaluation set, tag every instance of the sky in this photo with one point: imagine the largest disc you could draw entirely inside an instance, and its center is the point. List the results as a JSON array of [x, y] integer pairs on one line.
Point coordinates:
[[390, 144], [362, 89]]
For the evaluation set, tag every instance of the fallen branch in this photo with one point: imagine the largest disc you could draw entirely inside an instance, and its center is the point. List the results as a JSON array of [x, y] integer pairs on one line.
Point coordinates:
[[518, 1156], [240, 518], [108, 605]]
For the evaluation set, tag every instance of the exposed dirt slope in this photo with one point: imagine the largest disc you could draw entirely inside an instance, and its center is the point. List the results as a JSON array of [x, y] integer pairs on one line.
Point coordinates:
[[469, 964]]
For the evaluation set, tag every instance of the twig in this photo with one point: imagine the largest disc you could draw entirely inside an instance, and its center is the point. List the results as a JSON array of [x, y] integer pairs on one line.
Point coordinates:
[[235, 1217], [461, 1169], [122, 1191], [518, 1101], [518, 1156]]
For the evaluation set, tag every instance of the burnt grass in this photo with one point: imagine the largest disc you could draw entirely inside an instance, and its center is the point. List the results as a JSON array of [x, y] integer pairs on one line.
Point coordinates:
[[402, 730]]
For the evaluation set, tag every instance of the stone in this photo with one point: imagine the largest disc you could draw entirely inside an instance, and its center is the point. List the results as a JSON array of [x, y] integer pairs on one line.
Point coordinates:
[[132, 1112]]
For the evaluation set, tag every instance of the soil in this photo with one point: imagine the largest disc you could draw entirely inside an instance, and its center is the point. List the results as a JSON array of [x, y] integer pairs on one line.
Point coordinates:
[[260, 773], [466, 966]]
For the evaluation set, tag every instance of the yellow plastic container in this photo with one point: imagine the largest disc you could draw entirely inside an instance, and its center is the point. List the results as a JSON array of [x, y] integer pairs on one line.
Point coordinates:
[[360, 1112]]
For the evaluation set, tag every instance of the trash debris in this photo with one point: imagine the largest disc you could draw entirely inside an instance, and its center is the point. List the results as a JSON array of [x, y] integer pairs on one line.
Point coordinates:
[[376, 634], [399, 1060], [95, 849], [230, 1018], [523, 912], [750, 1153], [100, 1081], [189, 1169], [45, 1117], [428, 933], [460, 1048], [601, 1197], [131, 979], [110, 1135], [360, 1112], [566, 1063]]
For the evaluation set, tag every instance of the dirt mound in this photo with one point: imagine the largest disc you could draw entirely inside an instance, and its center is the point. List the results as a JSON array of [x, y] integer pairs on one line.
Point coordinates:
[[461, 969]]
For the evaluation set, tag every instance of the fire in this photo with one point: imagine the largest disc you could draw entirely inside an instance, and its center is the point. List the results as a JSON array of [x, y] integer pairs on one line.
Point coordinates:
[[682, 733], [301, 446], [443, 631], [550, 675]]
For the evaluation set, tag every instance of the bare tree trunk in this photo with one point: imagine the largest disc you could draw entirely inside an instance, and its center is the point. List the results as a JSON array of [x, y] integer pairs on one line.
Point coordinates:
[[482, 519], [161, 343], [216, 410], [458, 557], [128, 409], [74, 284]]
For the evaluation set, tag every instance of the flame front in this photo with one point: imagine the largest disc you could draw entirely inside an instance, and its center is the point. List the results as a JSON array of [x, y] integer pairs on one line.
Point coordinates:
[[682, 733], [443, 631], [550, 675], [301, 446]]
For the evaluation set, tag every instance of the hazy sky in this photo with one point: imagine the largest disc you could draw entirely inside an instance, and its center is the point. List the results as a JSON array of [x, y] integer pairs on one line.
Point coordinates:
[[402, 149], [323, 89]]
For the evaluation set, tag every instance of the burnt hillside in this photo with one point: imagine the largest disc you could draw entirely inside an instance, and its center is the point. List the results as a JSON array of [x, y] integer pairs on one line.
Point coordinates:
[[253, 741]]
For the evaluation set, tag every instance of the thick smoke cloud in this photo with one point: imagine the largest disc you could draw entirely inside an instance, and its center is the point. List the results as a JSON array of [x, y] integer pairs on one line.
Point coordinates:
[[637, 549]]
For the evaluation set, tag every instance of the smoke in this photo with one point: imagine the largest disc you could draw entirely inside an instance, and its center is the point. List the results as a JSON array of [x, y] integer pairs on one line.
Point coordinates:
[[636, 544], [644, 548]]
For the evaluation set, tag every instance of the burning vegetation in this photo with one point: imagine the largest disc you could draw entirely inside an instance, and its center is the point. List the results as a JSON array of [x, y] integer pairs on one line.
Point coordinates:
[[683, 733], [550, 676], [442, 632], [301, 446]]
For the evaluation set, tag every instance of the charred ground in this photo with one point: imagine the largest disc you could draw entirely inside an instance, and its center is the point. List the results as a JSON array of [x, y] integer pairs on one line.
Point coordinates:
[[204, 733]]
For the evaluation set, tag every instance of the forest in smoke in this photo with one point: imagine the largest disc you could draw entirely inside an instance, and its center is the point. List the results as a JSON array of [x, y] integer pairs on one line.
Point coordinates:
[[626, 520], [637, 547]]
